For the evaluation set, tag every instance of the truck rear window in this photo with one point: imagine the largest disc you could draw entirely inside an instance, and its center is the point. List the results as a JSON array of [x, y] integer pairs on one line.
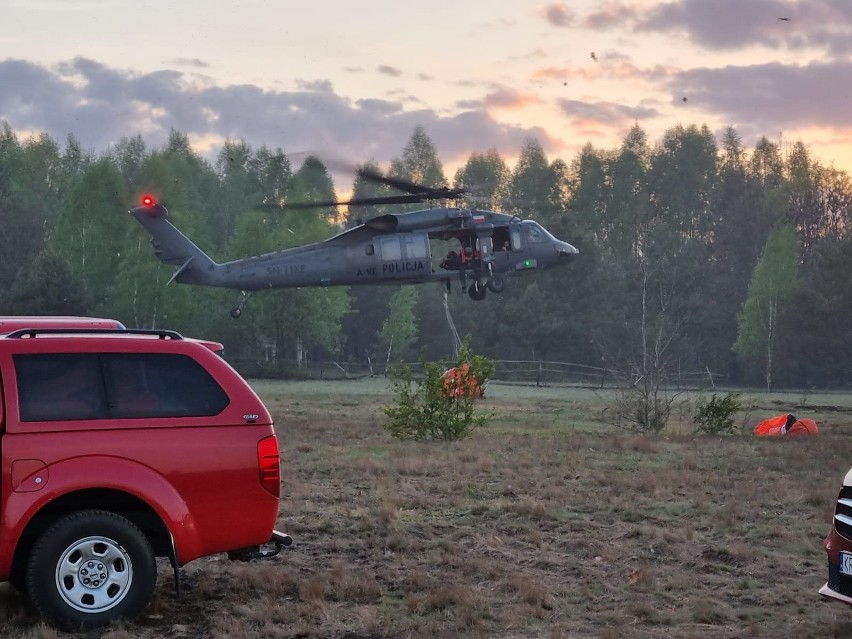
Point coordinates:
[[71, 386]]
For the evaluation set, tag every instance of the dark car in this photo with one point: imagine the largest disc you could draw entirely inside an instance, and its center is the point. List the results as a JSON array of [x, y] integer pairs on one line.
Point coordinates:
[[838, 545]]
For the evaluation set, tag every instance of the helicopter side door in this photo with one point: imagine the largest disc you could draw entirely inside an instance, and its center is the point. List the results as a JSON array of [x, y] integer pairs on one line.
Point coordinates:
[[404, 256], [508, 242]]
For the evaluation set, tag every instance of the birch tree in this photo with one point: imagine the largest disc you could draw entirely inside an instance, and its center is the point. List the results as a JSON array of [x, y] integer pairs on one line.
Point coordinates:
[[773, 284]]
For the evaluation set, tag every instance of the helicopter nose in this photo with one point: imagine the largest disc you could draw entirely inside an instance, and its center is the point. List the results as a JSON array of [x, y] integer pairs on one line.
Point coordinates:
[[566, 251]]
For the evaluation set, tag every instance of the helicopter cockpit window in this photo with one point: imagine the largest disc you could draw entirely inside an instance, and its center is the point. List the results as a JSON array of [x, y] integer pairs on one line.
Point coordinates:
[[535, 235]]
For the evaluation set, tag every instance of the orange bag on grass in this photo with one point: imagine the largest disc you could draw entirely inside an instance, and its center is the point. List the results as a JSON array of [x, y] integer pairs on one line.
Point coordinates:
[[775, 427]]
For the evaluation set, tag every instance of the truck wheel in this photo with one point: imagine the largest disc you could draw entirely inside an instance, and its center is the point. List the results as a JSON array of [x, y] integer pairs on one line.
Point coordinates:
[[90, 568]]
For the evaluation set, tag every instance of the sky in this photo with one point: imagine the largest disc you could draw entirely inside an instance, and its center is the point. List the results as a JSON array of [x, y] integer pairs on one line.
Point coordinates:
[[350, 80]]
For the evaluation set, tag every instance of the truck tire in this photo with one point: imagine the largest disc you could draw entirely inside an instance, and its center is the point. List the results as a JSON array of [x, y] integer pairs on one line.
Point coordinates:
[[90, 568]]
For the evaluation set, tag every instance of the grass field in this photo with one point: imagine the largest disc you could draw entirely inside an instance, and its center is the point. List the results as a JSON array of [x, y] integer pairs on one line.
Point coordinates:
[[550, 523]]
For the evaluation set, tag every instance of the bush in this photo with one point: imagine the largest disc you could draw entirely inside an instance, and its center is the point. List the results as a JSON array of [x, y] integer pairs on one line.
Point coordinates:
[[716, 416], [425, 410], [642, 409]]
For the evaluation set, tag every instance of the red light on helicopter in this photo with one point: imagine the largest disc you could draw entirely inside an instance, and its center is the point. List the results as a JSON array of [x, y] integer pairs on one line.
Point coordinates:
[[147, 200]]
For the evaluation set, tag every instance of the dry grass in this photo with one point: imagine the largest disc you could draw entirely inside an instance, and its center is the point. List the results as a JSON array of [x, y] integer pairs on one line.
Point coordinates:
[[547, 524]]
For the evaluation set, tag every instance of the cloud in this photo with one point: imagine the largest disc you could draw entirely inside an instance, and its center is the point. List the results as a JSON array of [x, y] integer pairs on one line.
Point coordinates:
[[318, 86], [722, 24], [100, 105], [380, 108], [389, 70], [501, 98], [562, 73], [776, 95], [735, 24], [558, 14], [609, 114], [609, 65], [611, 15], [189, 62]]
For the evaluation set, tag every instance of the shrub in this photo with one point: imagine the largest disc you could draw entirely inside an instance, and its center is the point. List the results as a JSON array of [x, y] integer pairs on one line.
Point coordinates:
[[425, 410], [716, 416], [642, 410]]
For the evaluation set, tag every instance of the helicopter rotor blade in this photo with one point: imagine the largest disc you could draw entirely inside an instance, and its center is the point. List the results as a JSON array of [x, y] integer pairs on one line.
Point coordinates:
[[360, 201], [372, 175], [425, 192], [397, 183], [388, 199], [295, 206], [416, 193]]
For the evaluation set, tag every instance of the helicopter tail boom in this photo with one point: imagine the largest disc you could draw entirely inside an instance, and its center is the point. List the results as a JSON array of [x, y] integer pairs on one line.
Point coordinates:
[[173, 247]]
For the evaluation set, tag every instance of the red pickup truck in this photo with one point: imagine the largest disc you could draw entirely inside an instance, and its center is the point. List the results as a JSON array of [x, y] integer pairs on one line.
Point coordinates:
[[118, 446]]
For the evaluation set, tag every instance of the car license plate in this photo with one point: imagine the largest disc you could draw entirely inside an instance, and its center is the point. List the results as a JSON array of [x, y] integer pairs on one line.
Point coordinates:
[[846, 563]]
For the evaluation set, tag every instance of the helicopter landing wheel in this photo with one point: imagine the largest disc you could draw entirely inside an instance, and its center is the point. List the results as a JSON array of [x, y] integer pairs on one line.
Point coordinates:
[[477, 291], [496, 284], [236, 312]]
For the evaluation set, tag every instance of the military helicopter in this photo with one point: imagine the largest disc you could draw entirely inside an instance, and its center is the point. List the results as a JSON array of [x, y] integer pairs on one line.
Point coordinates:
[[387, 249]]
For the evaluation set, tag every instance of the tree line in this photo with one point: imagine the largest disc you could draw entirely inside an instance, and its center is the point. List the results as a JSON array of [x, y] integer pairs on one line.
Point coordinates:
[[696, 254]]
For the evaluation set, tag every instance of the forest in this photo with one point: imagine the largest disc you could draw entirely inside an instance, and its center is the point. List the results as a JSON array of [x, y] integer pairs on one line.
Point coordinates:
[[697, 255]]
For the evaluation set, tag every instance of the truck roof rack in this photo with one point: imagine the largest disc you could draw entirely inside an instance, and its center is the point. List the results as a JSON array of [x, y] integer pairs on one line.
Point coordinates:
[[34, 332]]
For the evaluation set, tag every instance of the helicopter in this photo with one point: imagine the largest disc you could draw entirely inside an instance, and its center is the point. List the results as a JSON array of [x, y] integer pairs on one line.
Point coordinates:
[[386, 249]]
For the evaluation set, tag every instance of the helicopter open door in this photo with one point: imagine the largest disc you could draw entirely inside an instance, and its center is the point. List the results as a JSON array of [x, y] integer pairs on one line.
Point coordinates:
[[404, 256], [507, 239]]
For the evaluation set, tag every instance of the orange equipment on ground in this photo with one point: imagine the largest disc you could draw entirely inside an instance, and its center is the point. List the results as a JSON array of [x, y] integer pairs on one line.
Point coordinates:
[[460, 381], [788, 425]]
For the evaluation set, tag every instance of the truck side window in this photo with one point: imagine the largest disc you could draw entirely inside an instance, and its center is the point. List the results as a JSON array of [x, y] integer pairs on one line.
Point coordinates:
[[160, 385], [72, 386], [60, 386]]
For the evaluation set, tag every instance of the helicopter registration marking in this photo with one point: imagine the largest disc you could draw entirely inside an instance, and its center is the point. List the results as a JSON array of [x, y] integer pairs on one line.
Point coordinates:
[[289, 269], [367, 271], [403, 267]]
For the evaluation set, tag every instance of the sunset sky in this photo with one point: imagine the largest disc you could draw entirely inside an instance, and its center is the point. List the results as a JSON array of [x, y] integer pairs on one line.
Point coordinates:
[[351, 80]]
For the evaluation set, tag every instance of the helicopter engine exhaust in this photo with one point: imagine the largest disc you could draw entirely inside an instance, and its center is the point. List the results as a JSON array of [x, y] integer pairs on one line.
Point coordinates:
[[416, 220]]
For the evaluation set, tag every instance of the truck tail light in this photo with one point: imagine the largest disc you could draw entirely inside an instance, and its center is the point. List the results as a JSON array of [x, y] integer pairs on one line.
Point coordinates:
[[269, 465]]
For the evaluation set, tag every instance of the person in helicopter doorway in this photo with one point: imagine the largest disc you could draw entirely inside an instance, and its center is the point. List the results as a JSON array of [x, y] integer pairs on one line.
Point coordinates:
[[501, 240], [452, 262], [469, 258], [469, 254]]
